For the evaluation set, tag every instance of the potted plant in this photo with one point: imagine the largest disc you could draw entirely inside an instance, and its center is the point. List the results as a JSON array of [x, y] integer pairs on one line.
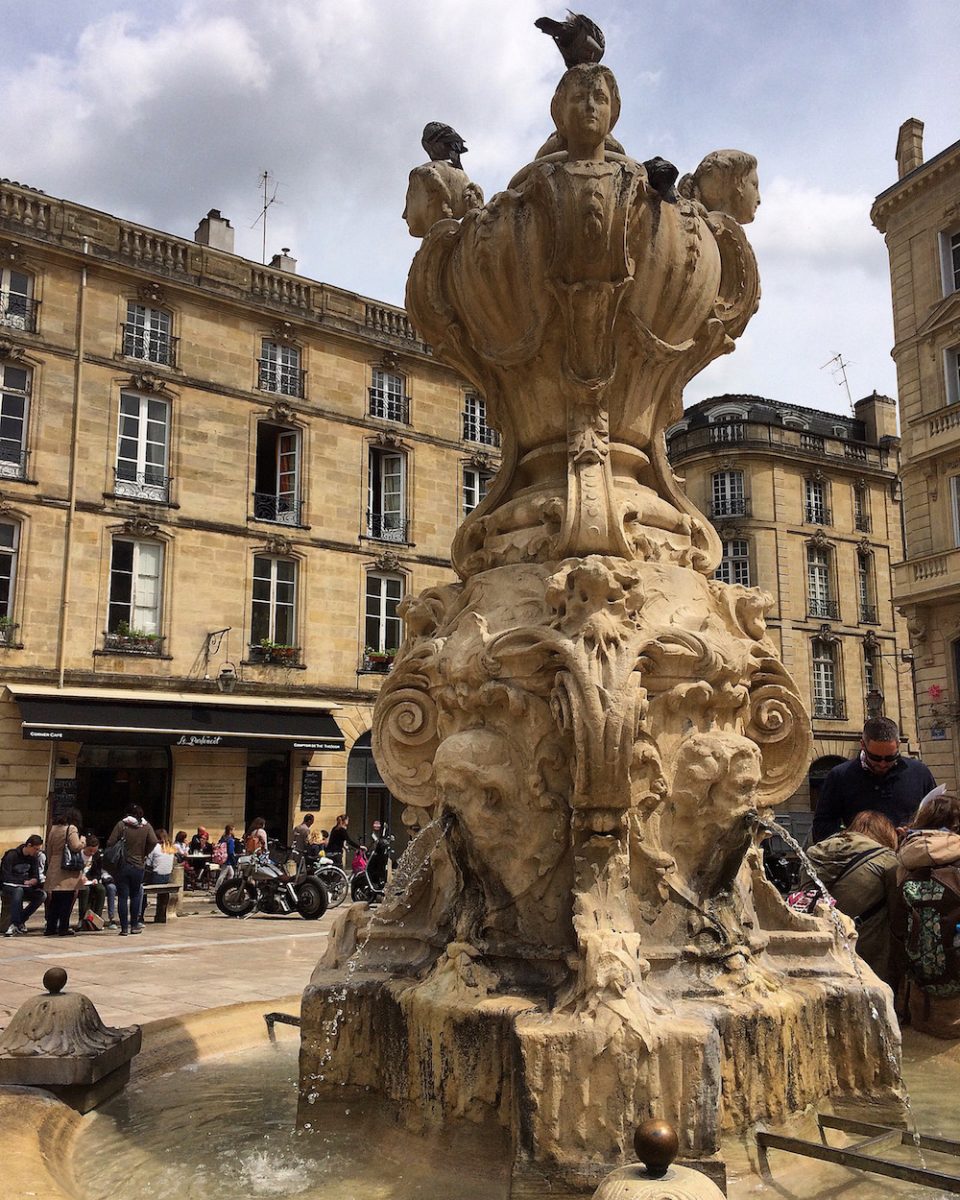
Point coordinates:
[[379, 660], [276, 652], [133, 641], [7, 629]]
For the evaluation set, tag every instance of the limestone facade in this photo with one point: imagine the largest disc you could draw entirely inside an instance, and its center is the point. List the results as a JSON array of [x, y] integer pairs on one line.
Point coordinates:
[[919, 216], [806, 504], [210, 470]]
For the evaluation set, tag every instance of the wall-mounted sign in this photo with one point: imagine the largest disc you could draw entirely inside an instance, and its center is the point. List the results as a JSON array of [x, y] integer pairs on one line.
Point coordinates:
[[938, 733], [311, 789]]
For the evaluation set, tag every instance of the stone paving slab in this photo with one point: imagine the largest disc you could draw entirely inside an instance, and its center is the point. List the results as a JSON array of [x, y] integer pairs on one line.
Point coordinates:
[[198, 961]]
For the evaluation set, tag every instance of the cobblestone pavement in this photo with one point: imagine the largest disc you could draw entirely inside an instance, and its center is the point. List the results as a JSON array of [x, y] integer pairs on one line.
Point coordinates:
[[200, 960]]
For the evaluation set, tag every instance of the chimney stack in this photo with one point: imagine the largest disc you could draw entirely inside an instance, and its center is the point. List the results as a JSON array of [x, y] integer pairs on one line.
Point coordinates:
[[215, 231], [283, 261], [909, 147]]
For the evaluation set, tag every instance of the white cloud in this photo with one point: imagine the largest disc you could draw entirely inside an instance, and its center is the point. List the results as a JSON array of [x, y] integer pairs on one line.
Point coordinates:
[[800, 223]]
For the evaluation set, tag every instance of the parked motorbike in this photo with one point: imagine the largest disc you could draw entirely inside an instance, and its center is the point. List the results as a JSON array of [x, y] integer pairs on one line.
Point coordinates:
[[261, 885], [370, 883], [333, 878]]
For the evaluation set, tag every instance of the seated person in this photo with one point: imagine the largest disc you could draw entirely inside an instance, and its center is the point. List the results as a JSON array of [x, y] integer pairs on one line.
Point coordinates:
[[200, 842], [93, 891], [21, 878]]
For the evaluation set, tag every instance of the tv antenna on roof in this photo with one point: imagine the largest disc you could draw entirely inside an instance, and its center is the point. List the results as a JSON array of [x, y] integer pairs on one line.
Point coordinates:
[[268, 199], [839, 373]]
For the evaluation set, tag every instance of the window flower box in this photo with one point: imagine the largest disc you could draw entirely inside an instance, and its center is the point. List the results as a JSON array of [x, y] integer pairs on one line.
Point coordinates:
[[378, 661], [124, 640], [275, 654]]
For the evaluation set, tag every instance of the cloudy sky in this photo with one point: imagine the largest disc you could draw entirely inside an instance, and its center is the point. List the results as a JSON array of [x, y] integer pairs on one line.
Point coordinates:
[[159, 111]]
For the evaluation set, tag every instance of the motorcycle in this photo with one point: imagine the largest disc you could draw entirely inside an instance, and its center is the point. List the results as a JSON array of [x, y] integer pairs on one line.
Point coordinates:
[[260, 885], [371, 883], [333, 878]]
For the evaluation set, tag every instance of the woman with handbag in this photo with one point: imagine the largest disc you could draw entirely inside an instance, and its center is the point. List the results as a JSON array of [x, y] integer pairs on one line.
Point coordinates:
[[65, 877]]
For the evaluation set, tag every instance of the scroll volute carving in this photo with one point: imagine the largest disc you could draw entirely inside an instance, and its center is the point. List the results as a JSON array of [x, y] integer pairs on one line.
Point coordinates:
[[780, 725]]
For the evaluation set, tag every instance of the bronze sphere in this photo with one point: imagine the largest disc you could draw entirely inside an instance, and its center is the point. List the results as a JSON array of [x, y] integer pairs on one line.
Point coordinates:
[[55, 980], [656, 1144]]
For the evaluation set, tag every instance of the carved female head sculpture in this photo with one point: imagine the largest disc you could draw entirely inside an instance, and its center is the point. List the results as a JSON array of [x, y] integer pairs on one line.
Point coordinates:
[[585, 107], [725, 181]]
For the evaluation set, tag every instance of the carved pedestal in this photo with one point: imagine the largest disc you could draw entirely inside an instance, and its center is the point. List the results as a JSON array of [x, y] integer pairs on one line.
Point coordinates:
[[588, 724]]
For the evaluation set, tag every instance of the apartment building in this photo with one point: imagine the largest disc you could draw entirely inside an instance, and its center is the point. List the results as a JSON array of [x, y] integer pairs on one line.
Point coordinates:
[[218, 480], [919, 216], [807, 506]]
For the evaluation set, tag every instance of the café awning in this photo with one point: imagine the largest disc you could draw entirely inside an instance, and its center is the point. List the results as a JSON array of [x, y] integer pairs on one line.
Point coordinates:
[[178, 719]]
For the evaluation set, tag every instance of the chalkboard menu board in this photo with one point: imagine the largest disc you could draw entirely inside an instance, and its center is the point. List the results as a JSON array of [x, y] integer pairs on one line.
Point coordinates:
[[310, 790], [64, 797]]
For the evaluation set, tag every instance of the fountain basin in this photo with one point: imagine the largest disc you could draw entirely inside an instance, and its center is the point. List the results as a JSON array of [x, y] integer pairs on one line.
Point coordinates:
[[219, 1066], [711, 1064]]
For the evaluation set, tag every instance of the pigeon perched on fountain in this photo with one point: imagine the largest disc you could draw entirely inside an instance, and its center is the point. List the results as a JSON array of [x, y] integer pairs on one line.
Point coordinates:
[[443, 144], [578, 39]]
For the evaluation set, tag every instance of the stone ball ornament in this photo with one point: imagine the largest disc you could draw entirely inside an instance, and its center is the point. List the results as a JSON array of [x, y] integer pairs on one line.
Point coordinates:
[[656, 1144], [55, 980]]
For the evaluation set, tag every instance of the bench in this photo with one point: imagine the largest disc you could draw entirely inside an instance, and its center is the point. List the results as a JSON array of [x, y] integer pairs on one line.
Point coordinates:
[[164, 893]]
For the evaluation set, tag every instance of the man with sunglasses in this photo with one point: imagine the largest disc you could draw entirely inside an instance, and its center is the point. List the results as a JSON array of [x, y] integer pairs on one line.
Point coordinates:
[[878, 779]]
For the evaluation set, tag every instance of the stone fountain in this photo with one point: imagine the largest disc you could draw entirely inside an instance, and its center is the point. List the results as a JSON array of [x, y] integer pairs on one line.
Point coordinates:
[[587, 725]]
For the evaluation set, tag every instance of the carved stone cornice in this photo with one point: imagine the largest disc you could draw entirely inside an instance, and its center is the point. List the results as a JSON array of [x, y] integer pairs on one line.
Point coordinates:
[[863, 547], [284, 332], [147, 381], [817, 477], [140, 527], [278, 544], [11, 252], [389, 440], [820, 540], [10, 351], [152, 293], [389, 361], [387, 561], [825, 634], [280, 412], [871, 643], [481, 460]]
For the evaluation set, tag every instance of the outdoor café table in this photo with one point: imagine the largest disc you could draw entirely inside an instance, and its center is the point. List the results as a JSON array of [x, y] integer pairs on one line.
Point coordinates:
[[200, 864]]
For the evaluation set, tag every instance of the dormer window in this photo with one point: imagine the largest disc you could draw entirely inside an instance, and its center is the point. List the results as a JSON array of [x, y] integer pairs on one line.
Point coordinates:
[[18, 309], [147, 335]]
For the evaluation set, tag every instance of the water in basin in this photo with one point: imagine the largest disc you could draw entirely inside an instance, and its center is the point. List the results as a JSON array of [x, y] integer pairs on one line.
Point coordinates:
[[229, 1126]]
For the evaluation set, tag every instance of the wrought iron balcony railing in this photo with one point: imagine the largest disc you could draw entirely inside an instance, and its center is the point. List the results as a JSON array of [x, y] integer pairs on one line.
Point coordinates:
[[274, 654], [18, 312], [386, 527], [132, 484], [389, 407], [738, 506], [475, 430], [868, 614], [829, 710], [817, 514], [8, 632], [281, 380], [149, 645], [862, 523], [282, 510], [13, 459], [823, 608], [150, 345]]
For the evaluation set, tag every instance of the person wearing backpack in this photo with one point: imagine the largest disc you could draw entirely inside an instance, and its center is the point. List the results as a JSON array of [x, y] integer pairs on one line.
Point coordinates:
[[255, 839], [929, 917], [225, 855], [138, 839], [858, 867]]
